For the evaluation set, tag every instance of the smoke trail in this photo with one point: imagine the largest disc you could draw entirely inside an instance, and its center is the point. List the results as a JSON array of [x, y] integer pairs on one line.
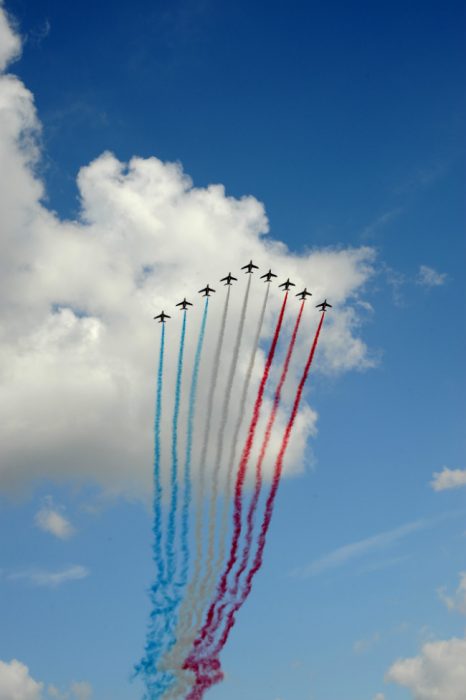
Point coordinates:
[[239, 423], [207, 669], [221, 590], [263, 450], [174, 470], [189, 445], [147, 667], [258, 479], [157, 551], [166, 662], [209, 578], [234, 442], [184, 633]]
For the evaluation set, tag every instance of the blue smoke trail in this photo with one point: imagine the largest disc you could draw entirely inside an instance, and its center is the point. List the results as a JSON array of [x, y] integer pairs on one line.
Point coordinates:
[[175, 598], [158, 556], [156, 683], [174, 469]]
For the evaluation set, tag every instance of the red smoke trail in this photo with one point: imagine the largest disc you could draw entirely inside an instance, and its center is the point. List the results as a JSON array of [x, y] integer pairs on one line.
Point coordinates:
[[238, 498], [207, 669], [258, 482]]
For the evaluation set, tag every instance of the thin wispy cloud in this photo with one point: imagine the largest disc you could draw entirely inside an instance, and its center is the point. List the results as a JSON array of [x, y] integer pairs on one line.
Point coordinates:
[[424, 177], [383, 564], [357, 550], [375, 227], [362, 646], [428, 277], [51, 520], [457, 601], [51, 579]]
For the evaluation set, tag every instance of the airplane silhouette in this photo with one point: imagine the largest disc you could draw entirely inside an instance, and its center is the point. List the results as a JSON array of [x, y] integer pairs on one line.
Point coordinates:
[[286, 285], [184, 304], [228, 279], [268, 276], [207, 290], [324, 305], [304, 294], [249, 267], [162, 317]]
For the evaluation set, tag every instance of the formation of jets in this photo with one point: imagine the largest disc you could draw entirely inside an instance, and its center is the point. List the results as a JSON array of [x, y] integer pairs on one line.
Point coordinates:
[[249, 269]]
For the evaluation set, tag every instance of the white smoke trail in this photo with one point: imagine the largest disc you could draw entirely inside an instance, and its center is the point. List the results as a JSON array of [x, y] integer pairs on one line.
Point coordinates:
[[208, 581], [234, 441]]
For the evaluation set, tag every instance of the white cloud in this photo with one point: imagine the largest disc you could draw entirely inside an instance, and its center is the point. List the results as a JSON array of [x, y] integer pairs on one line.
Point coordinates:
[[448, 479], [16, 682], [10, 43], [51, 579], [457, 601], [438, 673], [428, 277], [77, 344], [355, 550], [379, 696], [49, 519]]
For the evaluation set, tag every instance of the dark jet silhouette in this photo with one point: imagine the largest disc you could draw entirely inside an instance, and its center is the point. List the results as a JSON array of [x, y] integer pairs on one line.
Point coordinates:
[[207, 290], [249, 267], [162, 317], [324, 305], [228, 279], [304, 294], [268, 276], [184, 304], [286, 285]]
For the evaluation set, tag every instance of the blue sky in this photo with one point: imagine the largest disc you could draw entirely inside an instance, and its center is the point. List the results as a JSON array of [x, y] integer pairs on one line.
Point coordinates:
[[347, 121]]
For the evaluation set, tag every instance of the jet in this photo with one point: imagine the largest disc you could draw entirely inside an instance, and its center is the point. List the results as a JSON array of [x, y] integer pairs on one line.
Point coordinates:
[[249, 267], [268, 276], [286, 285], [302, 295], [228, 279], [207, 290], [184, 304], [324, 305], [162, 317]]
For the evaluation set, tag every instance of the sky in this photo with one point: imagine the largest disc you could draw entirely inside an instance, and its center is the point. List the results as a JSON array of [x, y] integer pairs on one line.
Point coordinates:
[[145, 151]]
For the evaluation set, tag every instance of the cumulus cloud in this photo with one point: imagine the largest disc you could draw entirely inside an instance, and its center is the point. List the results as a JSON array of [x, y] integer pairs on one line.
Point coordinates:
[[77, 343], [438, 672], [16, 683], [50, 519], [428, 277], [51, 579], [457, 601], [448, 479]]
